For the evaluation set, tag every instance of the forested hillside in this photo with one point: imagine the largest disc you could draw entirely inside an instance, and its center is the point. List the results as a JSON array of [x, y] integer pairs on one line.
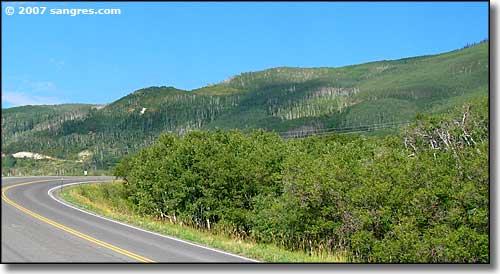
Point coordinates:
[[290, 101]]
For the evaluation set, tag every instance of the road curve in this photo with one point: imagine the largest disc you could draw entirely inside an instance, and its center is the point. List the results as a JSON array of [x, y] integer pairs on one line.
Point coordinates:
[[38, 228]]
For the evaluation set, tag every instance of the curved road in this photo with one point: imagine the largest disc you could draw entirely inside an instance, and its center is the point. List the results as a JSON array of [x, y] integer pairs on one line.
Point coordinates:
[[37, 228]]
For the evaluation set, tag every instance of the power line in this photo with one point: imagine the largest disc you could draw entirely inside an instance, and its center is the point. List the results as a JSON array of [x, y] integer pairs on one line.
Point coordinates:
[[358, 126], [341, 130]]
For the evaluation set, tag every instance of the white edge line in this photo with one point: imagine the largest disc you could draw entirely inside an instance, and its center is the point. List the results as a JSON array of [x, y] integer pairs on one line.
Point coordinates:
[[49, 192]]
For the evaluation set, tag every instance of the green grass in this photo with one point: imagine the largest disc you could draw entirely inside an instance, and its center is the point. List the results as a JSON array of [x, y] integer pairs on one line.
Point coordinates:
[[106, 199]]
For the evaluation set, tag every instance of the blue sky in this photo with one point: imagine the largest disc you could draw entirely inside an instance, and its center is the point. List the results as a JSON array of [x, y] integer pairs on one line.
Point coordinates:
[[50, 59]]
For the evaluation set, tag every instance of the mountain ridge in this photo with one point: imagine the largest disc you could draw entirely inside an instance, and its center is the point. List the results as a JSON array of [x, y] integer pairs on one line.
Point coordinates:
[[236, 76], [283, 99]]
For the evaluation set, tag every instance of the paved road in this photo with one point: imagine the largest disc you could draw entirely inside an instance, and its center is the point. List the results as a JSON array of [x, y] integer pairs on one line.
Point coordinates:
[[37, 228]]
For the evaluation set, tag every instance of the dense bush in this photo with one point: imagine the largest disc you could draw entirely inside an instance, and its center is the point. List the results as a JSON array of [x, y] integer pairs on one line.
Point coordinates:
[[420, 196]]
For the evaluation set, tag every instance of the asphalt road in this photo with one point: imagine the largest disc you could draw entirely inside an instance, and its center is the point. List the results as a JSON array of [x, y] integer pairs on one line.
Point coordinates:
[[38, 228]]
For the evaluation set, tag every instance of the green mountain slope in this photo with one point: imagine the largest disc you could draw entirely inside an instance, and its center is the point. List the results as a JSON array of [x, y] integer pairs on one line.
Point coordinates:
[[287, 100], [22, 125]]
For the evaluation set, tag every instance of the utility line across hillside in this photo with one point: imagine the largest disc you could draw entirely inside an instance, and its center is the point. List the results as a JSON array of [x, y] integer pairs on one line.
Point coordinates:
[[341, 130]]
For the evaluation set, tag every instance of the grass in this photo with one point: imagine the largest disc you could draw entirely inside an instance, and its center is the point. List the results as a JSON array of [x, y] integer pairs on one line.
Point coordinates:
[[106, 199]]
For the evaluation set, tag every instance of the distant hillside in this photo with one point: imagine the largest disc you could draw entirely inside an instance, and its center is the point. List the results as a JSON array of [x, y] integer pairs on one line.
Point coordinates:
[[21, 125], [287, 100]]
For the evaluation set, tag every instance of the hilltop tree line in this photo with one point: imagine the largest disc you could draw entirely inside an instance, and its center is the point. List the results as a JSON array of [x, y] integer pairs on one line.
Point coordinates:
[[471, 44], [418, 196]]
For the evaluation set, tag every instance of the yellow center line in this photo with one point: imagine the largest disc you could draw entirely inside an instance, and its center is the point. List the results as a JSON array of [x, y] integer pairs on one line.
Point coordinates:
[[67, 229]]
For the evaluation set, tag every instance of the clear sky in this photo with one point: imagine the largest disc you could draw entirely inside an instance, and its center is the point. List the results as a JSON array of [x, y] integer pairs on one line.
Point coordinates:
[[99, 58]]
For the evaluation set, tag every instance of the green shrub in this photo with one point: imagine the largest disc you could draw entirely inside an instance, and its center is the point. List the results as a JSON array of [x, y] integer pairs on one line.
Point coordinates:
[[420, 196]]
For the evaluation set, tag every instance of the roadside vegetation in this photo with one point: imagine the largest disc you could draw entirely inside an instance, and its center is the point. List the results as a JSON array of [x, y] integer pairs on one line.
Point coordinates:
[[42, 167], [107, 199], [420, 195]]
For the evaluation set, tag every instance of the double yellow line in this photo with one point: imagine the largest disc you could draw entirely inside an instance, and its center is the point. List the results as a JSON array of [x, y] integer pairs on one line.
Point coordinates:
[[67, 229]]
